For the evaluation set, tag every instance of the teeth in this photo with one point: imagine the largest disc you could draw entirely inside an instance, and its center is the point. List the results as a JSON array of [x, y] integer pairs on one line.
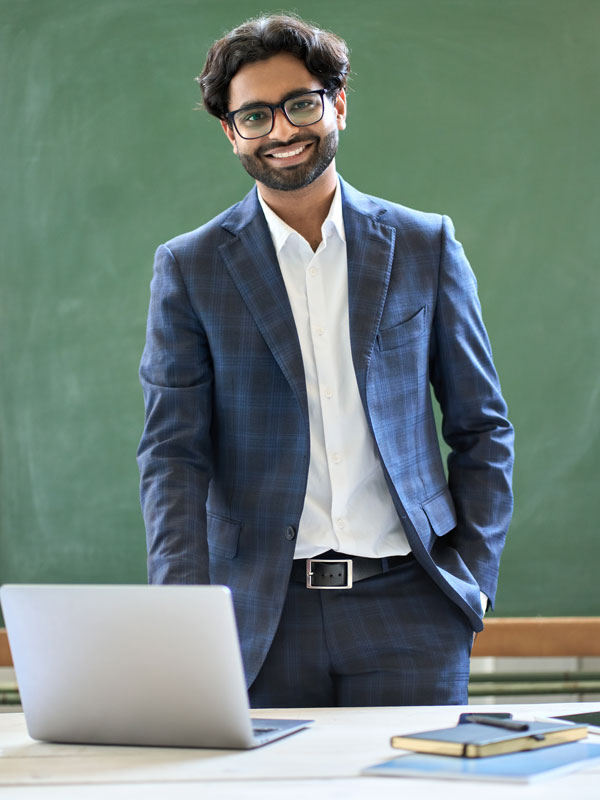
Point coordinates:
[[290, 153]]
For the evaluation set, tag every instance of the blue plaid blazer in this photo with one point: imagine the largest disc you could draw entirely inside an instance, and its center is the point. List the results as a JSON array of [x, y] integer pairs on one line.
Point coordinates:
[[225, 450]]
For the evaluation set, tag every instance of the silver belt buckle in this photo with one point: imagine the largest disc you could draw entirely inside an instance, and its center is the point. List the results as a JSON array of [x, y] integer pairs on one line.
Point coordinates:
[[309, 572]]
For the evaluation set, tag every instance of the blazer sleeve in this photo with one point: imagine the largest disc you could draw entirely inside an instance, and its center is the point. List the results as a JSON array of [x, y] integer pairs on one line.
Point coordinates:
[[474, 418], [174, 455]]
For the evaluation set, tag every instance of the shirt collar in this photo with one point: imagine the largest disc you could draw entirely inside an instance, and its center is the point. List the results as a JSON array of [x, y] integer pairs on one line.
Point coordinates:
[[281, 231]]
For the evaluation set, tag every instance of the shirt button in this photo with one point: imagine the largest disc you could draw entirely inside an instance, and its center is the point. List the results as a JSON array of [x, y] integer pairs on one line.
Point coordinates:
[[290, 533], [320, 331], [312, 271], [340, 524], [336, 458], [328, 394]]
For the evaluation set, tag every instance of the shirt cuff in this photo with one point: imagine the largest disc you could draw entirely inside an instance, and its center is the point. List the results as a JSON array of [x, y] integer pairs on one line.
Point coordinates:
[[484, 602]]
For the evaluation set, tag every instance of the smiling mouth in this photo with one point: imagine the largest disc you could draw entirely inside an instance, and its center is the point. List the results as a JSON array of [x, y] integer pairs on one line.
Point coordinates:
[[291, 153]]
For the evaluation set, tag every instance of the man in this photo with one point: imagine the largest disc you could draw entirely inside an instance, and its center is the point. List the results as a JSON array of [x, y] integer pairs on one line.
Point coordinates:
[[290, 449]]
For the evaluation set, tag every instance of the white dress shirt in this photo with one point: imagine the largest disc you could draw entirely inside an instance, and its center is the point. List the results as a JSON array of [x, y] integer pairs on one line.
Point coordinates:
[[348, 506]]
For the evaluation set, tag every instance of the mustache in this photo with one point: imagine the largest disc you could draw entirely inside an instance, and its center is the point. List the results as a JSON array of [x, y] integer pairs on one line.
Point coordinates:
[[267, 148]]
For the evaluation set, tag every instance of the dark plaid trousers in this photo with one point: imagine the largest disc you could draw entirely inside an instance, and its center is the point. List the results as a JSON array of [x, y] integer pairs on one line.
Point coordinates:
[[393, 639]]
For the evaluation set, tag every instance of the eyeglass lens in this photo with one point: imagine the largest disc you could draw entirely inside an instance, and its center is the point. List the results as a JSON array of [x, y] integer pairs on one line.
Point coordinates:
[[304, 109]]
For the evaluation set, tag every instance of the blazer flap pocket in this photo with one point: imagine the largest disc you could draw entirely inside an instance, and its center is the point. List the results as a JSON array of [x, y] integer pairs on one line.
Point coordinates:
[[223, 536], [412, 328], [441, 513]]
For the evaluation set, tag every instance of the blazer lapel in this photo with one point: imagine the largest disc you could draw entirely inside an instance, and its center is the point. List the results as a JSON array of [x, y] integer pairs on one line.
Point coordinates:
[[252, 263], [370, 249]]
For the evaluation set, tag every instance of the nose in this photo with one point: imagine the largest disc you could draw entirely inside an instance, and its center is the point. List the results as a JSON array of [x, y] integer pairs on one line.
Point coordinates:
[[282, 127]]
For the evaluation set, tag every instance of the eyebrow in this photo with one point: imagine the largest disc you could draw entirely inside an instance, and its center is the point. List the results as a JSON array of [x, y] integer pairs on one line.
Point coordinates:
[[293, 93]]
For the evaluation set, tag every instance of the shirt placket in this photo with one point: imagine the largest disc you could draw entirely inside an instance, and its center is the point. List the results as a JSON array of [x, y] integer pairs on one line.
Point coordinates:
[[323, 309]]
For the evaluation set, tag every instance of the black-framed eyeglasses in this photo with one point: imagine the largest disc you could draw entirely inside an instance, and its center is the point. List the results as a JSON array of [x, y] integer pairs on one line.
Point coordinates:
[[305, 108]]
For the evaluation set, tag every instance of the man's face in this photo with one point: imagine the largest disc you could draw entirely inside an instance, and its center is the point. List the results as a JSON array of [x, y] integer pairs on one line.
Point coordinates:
[[288, 158]]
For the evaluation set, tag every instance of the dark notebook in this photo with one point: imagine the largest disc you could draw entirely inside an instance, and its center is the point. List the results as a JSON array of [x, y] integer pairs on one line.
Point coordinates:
[[472, 740]]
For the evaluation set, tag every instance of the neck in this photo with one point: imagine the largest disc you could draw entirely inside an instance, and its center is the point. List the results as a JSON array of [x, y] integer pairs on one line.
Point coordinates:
[[304, 209]]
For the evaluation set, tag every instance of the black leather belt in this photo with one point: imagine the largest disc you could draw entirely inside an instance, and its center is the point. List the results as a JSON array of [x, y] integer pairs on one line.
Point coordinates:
[[333, 570]]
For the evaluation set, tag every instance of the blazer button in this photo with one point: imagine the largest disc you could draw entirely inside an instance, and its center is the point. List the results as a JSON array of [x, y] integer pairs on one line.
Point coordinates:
[[290, 533]]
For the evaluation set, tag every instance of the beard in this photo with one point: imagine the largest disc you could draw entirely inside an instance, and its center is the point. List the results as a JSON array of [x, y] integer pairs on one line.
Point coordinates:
[[288, 179]]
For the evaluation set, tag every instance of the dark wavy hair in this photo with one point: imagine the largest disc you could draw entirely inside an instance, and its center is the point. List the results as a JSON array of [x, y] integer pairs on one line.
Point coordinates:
[[324, 54]]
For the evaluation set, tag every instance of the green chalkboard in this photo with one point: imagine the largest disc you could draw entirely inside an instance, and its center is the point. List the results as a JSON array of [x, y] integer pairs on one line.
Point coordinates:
[[484, 110]]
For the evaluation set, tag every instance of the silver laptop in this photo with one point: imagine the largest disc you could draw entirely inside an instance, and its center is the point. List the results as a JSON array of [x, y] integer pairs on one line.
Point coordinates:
[[132, 665]]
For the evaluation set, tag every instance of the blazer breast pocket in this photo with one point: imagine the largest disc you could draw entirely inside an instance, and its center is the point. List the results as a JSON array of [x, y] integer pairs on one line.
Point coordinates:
[[404, 332]]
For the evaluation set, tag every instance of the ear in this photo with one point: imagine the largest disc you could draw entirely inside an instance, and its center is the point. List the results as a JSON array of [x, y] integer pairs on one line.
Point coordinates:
[[340, 109], [229, 133]]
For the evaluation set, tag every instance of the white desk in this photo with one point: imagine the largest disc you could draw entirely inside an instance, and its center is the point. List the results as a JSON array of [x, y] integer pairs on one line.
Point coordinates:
[[321, 763]]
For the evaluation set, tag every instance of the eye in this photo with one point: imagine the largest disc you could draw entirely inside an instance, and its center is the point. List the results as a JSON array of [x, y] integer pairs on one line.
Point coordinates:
[[302, 104], [252, 116]]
